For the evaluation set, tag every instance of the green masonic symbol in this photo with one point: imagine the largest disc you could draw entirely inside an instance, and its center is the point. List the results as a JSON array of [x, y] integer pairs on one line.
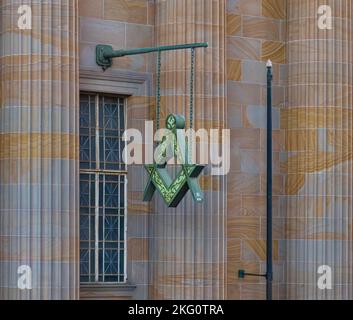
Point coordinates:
[[173, 191]]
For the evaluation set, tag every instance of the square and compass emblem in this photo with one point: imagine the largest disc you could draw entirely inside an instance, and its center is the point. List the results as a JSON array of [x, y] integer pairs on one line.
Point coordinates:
[[173, 191]]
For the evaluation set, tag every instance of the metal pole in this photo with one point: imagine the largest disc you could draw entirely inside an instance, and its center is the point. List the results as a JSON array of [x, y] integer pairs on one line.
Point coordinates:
[[105, 53], [269, 258], [122, 53]]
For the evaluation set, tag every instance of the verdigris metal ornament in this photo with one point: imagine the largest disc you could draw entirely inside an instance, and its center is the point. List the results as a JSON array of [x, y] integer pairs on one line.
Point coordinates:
[[173, 191]]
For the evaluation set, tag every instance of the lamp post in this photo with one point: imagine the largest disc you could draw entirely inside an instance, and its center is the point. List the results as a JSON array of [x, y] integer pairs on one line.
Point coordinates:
[[269, 258]]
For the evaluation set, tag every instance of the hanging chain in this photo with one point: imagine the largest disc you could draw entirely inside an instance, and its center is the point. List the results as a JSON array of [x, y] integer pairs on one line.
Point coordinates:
[[158, 91], [192, 76]]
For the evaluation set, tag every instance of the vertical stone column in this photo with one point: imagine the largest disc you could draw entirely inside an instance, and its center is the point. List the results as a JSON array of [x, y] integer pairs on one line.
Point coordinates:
[[318, 124], [187, 246], [39, 150]]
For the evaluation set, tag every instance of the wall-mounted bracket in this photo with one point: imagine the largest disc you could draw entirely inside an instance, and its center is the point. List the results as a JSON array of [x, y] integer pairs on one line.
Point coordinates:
[[103, 56], [242, 274], [105, 53]]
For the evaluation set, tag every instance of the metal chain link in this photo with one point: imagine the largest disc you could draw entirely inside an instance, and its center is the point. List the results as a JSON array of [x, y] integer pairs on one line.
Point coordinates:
[[192, 76], [158, 91], [191, 115]]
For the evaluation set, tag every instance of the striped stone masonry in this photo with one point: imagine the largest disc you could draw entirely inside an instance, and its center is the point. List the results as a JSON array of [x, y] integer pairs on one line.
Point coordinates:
[[194, 251], [39, 150]]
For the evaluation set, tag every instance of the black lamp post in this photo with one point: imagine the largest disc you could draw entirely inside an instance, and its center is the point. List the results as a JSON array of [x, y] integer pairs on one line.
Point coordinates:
[[269, 258]]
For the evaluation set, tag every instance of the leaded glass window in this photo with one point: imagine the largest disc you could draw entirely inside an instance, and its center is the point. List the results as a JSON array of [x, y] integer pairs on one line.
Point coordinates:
[[102, 190]]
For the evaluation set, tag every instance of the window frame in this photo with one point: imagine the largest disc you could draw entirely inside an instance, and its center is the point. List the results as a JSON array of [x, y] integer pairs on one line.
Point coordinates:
[[98, 174]]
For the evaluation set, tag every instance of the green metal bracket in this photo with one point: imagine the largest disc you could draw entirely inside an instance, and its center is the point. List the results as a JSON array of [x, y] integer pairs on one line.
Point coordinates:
[[241, 274], [105, 53]]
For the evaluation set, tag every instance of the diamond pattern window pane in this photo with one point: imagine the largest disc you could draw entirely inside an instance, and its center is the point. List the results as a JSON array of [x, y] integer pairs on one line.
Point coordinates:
[[87, 132], [112, 126]]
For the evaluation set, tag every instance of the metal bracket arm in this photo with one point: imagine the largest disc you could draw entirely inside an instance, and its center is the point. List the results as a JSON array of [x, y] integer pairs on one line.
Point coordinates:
[[242, 274], [106, 53]]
